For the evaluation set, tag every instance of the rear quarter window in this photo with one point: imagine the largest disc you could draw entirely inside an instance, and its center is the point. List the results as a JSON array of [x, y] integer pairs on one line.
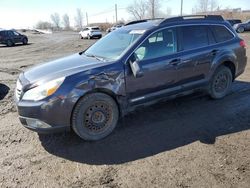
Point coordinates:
[[221, 33], [194, 36]]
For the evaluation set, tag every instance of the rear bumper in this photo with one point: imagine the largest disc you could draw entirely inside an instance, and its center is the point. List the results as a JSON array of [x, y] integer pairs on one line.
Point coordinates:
[[241, 67], [96, 35]]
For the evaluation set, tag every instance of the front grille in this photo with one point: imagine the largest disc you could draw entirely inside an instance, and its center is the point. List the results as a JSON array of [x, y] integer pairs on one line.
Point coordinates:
[[18, 91]]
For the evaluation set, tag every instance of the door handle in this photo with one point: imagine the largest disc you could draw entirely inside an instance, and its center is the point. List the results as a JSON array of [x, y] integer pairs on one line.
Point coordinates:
[[213, 52], [175, 62]]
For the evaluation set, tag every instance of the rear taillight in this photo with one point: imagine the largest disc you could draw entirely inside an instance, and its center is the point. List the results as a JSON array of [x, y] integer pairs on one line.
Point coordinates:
[[243, 44]]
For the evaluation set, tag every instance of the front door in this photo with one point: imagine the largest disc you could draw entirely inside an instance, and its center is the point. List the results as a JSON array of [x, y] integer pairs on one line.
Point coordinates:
[[157, 57]]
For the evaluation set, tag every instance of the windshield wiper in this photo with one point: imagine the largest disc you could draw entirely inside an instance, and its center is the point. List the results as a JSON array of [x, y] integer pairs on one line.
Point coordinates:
[[96, 57]]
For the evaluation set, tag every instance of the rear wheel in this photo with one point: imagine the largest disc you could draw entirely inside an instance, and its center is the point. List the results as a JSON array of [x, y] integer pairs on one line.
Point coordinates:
[[89, 37], [220, 83], [95, 116], [9, 43], [25, 41]]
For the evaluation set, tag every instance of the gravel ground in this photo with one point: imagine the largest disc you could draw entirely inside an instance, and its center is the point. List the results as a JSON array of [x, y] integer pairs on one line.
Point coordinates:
[[191, 141]]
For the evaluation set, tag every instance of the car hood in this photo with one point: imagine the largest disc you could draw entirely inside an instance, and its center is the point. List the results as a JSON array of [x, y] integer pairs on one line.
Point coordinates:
[[61, 68]]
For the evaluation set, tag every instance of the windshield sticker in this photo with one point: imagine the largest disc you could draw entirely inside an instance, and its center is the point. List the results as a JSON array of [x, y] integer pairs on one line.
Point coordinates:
[[137, 32]]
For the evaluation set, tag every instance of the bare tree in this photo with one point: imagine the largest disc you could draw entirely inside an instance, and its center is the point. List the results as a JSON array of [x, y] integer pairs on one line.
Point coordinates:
[[79, 18], [66, 22], [169, 12], [138, 9], [56, 20], [43, 25], [204, 6], [154, 7], [213, 5], [141, 9]]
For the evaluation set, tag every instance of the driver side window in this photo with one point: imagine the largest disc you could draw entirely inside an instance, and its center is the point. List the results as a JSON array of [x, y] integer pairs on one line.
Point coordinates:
[[157, 45]]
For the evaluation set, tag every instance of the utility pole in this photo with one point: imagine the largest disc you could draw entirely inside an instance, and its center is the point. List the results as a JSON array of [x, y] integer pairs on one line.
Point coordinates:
[[181, 7], [87, 18], [153, 9], [116, 19]]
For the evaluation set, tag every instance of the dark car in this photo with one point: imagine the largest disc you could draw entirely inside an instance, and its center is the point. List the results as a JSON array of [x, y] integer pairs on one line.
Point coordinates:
[[11, 37], [114, 28], [241, 27], [137, 65], [234, 21]]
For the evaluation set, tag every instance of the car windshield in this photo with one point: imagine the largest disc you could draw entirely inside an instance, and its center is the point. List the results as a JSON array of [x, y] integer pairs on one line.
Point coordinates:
[[113, 45]]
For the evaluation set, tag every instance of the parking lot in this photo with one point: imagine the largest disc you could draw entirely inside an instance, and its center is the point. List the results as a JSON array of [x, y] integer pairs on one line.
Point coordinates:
[[191, 141]]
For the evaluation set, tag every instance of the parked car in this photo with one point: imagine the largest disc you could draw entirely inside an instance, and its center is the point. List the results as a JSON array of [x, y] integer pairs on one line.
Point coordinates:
[[234, 21], [241, 27], [90, 32], [11, 37], [114, 28], [137, 65]]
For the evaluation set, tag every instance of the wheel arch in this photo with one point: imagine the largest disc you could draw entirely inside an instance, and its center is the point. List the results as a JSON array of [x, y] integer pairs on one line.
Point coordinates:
[[98, 90], [231, 66]]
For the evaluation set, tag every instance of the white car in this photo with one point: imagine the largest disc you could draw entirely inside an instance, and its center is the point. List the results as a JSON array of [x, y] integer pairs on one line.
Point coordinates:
[[90, 32]]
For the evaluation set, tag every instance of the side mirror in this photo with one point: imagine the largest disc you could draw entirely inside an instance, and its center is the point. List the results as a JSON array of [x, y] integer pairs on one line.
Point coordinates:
[[137, 72]]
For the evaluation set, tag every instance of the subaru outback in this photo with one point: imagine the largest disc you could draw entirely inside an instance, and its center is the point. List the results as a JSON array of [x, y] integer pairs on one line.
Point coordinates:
[[139, 64]]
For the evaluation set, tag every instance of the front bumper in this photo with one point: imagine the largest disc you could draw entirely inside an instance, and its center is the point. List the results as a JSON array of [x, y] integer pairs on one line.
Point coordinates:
[[46, 116], [40, 126]]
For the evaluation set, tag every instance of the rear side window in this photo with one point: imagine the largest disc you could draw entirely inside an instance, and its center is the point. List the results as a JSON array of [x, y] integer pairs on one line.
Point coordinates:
[[221, 33], [194, 36], [10, 33]]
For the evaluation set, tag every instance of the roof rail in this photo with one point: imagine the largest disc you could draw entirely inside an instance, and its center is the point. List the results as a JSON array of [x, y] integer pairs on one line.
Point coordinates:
[[141, 21], [193, 17]]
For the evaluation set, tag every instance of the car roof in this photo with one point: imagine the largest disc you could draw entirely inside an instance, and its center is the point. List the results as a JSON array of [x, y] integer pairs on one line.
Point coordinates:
[[172, 21]]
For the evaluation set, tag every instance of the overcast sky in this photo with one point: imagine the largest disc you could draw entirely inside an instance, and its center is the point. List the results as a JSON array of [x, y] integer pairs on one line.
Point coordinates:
[[26, 13]]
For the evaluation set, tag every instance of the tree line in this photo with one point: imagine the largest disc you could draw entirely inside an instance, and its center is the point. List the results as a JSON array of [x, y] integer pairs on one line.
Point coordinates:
[[150, 9], [58, 22], [138, 10]]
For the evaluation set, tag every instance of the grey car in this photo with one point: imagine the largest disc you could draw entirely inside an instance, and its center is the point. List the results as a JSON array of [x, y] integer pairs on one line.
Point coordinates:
[[241, 27]]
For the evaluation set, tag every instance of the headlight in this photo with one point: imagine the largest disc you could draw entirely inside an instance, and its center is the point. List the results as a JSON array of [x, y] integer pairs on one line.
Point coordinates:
[[43, 91]]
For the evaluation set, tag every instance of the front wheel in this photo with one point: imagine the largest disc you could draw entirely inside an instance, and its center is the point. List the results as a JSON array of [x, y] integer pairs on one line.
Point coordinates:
[[220, 83], [240, 29], [9, 43], [95, 116]]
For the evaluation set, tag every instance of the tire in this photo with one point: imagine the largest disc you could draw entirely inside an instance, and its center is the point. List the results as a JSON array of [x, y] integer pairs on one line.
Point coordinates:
[[9, 43], [240, 30], [95, 116], [81, 37], [220, 83], [25, 41], [88, 37]]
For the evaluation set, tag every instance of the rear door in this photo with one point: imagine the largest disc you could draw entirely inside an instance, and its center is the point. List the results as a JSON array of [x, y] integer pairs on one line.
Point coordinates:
[[18, 37], [197, 54]]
